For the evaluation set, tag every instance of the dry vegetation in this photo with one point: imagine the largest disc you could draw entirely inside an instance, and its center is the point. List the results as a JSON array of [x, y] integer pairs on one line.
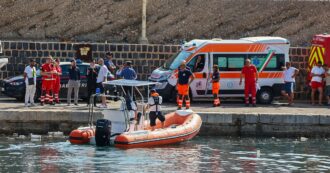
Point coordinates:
[[169, 21]]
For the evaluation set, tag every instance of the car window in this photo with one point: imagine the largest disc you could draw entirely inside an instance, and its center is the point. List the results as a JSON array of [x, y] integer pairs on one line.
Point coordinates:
[[65, 70], [83, 69]]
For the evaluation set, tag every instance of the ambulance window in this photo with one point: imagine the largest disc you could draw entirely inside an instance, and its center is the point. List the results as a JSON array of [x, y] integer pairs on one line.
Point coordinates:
[[197, 63], [235, 63], [221, 61], [259, 59]]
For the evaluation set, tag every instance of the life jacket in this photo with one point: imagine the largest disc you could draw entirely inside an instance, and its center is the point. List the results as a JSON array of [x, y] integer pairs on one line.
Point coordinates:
[[155, 97]]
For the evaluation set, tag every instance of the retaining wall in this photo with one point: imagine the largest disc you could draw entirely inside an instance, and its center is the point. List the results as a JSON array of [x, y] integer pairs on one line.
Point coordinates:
[[214, 124]]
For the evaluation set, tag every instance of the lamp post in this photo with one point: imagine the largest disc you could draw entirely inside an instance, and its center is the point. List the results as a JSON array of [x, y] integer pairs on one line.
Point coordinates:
[[143, 39]]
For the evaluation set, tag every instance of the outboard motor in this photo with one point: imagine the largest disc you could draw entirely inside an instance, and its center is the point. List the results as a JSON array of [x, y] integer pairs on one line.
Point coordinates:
[[103, 132]]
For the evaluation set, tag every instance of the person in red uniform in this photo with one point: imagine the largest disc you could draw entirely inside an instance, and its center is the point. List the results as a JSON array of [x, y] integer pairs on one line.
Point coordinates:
[[57, 83], [215, 85], [183, 83], [251, 77], [47, 72]]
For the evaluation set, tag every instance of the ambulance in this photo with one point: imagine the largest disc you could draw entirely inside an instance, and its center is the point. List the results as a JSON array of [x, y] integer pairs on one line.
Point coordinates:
[[268, 54], [320, 51]]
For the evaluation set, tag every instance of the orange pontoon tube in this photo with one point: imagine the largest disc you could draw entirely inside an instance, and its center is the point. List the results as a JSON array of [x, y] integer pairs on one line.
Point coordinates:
[[178, 128]]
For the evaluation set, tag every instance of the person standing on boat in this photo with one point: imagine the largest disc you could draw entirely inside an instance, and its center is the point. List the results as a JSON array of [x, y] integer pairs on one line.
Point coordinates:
[[183, 84], [215, 85], [30, 83], [251, 78], [154, 102], [57, 82], [128, 73], [92, 73]]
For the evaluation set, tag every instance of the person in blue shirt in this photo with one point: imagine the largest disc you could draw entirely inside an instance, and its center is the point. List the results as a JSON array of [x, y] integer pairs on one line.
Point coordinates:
[[128, 73]]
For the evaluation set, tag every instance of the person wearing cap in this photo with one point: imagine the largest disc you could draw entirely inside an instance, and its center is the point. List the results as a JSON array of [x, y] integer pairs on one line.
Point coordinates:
[[47, 73], [154, 106], [250, 74], [109, 63], [215, 85], [128, 73], [73, 83], [57, 83], [30, 78], [316, 82], [102, 77], [185, 78]]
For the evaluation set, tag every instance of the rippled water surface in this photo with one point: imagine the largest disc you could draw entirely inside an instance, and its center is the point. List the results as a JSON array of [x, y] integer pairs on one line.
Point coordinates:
[[202, 154]]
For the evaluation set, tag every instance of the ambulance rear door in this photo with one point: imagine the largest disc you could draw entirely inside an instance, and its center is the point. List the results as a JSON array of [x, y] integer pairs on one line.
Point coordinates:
[[199, 66]]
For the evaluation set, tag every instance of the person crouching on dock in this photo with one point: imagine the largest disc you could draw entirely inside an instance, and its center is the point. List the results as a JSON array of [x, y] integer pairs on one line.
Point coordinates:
[[183, 84], [154, 102], [215, 85]]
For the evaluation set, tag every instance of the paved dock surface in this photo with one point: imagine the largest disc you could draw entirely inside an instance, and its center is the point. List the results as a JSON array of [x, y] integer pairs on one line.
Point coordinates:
[[226, 107]]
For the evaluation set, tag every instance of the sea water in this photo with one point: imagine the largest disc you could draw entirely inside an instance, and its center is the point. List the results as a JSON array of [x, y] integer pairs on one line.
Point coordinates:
[[202, 154]]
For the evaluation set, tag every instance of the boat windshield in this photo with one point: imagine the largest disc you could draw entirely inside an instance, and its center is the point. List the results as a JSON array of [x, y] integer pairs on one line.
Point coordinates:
[[175, 61]]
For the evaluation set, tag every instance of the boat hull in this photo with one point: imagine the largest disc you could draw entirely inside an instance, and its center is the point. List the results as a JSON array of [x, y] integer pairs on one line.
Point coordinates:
[[178, 129]]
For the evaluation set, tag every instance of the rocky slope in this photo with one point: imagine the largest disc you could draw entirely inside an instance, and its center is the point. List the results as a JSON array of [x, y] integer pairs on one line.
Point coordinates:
[[169, 21]]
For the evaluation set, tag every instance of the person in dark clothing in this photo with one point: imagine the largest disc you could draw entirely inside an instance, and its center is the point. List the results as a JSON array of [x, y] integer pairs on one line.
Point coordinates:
[[109, 63], [199, 65], [74, 82], [92, 72]]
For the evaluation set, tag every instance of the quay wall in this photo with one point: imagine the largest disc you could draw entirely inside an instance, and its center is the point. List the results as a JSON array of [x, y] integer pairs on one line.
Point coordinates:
[[145, 57], [214, 124]]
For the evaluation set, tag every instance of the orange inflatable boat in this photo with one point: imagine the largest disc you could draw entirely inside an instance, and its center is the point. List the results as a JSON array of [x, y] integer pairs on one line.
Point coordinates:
[[179, 126], [82, 135]]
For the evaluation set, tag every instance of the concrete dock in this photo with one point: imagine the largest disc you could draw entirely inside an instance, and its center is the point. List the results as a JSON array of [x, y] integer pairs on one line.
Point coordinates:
[[231, 119]]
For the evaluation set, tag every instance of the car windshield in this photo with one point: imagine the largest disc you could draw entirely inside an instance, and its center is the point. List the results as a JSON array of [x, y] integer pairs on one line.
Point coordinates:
[[175, 61]]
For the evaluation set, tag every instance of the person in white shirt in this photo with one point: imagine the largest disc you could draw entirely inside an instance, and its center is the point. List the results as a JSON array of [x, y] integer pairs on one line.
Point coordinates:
[[102, 77], [30, 78], [289, 75], [154, 102], [316, 83]]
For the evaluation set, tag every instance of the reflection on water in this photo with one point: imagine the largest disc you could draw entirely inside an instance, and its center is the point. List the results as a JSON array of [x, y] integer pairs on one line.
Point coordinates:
[[203, 154]]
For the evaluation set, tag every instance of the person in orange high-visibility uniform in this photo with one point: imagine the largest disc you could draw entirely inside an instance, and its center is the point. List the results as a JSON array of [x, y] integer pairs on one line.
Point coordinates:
[[57, 83], [185, 77], [251, 78], [215, 85]]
